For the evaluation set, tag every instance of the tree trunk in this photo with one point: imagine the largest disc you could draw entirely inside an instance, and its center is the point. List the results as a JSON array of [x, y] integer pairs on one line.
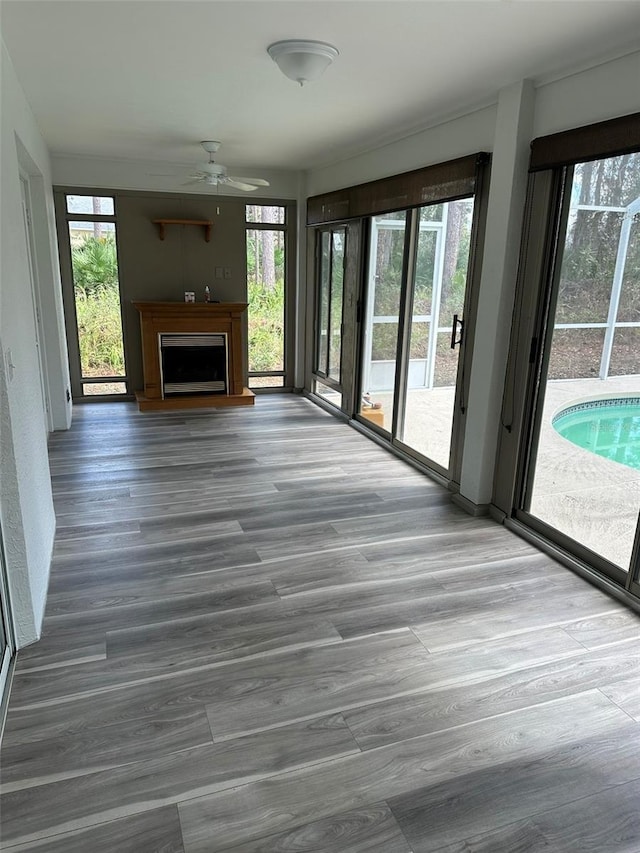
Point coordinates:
[[268, 245], [97, 226], [451, 246]]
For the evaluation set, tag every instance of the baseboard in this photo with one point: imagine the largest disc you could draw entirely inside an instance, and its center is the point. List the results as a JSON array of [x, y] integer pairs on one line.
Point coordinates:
[[322, 404], [497, 514], [469, 506]]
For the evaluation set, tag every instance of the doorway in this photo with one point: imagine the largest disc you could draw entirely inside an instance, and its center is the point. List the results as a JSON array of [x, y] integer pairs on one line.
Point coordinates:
[[581, 478], [416, 299]]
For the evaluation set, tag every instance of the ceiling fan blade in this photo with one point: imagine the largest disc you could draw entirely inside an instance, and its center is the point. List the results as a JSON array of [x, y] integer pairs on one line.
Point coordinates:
[[258, 182], [239, 185], [193, 181]]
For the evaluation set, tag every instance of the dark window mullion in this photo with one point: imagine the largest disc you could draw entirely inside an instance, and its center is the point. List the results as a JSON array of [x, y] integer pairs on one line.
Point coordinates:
[[327, 365], [317, 367], [402, 346]]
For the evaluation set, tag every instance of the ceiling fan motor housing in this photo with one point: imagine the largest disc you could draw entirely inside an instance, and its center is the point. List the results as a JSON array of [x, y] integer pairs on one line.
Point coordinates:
[[213, 170]]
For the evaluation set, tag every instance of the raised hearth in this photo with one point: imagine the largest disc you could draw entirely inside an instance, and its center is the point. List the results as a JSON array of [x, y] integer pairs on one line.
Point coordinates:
[[191, 355]]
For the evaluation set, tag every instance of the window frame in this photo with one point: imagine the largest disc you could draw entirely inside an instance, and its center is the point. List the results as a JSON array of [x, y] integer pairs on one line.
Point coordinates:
[[289, 293], [63, 218], [546, 211], [324, 375]]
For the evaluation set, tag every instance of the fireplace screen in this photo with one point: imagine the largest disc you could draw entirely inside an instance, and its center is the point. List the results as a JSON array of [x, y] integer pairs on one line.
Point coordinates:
[[193, 364]]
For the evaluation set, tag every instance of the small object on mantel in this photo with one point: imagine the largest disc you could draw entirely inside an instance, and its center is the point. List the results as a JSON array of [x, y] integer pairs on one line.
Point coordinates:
[[207, 293], [206, 224]]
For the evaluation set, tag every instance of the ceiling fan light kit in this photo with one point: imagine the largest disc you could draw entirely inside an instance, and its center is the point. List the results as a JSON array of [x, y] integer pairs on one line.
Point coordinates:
[[302, 60]]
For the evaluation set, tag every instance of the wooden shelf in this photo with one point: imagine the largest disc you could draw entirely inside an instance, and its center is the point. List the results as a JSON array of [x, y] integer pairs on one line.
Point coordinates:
[[205, 223]]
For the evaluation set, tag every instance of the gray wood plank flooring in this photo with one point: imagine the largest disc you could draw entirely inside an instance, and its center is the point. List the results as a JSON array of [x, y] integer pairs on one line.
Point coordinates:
[[265, 633]]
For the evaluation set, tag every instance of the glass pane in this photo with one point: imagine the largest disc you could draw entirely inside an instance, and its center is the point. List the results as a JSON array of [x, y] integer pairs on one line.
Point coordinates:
[[446, 361], [91, 389], [438, 292], [323, 302], [265, 284], [584, 474], [575, 353], [612, 182], [337, 276], [91, 204], [587, 266], [432, 213], [265, 213], [266, 381], [383, 312], [82, 230], [94, 261], [328, 394], [625, 354], [629, 305]]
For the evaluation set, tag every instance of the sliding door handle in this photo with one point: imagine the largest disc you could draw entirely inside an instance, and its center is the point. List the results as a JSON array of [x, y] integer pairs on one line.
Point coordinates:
[[454, 331]]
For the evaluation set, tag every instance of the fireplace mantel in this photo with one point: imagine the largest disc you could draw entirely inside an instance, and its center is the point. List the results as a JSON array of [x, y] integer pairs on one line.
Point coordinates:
[[158, 318]]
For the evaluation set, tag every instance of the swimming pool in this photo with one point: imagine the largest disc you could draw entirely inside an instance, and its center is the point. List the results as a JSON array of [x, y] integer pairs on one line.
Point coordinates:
[[610, 428]]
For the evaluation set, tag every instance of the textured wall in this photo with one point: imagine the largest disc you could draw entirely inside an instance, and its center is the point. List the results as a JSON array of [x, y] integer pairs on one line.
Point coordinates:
[[26, 508]]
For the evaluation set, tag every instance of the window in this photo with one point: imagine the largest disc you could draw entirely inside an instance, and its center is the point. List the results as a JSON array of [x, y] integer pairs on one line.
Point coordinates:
[[267, 280], [92, 297]]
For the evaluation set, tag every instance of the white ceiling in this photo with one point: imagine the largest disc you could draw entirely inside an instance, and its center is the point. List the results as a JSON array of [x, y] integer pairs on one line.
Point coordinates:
[[149, 79]]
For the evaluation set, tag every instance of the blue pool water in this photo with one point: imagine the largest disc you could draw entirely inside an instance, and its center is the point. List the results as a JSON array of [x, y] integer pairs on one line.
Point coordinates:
[[610, 428]]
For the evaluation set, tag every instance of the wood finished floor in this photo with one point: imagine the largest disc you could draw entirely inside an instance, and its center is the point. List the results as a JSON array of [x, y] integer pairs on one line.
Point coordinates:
[[265, 633]]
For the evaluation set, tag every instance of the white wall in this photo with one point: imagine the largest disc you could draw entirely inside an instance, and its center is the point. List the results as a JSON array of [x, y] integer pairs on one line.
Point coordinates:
[[26, 507], [446, 141], [606, 91]]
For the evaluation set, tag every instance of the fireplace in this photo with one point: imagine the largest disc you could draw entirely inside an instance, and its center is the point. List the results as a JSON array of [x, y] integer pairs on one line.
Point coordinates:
[[193, 364], [192, 355]]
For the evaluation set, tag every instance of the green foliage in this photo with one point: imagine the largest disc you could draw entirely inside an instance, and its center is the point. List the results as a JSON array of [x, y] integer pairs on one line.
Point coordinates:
[[100, 330], [95, 262], [266, 327], [97, 294]]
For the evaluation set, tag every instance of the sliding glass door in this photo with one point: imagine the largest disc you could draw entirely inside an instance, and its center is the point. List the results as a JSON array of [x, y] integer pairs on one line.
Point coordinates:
[[435, 329], [395, 264], [414, 326], [329, 312], [582, 477], [386, 277]]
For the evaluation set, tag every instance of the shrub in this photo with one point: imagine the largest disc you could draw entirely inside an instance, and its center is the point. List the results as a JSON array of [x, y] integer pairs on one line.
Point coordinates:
[[266, 327], [100, 330]]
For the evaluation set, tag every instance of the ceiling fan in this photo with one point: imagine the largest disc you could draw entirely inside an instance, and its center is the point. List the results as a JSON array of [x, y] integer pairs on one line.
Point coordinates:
[[215, 174]]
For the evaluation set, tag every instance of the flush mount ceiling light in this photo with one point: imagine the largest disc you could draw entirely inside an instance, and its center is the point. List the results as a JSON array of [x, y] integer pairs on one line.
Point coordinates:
[[302, 60]]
